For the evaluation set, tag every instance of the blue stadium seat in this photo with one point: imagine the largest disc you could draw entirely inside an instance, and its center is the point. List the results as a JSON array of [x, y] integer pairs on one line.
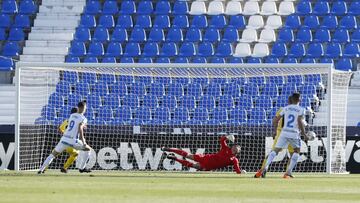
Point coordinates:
[[107, 78], [124, 21], [162, 114], [314, 79], [151, 49], [127, 79], [232, 89], [272, 60], [181, 60], [199, 60], [226, 101], [311, 21], [105, 113], [119, 89], [88, 77], [257, 116], [163, 80], [96, 49], [187, 49], [230, 35], [309, 90], [213, 89], [355, 36], [16, 34], [237, 22], [217, 60], [88, 21], [207, 101], [329, 22], [162, 21], [200, 80], [112, 101], [145, 7], [82, 34], [106, 21], [175, 89], [201, 114], [145, 60], [11, 49], [304, 8], [93, 101], [212, 35], [205, 49], [218, 21], [260, 81], [143, 21], [71, 77], [82, 89], [131, 100], [279, 49], [127, 7], [27, 7], [150, 101], [64, 112], [73, 99], [224, 49], [101, 34], [251, 89], [193, 35], [254, 60], [180, 21], [338, 8], [297, 50], [238, 115], [169, 49], [322, 35], [48, 112], [138, 35], [127, 60], [163, 60], [321, 8], [119, 35], [354, 8], [92, 7], [181, 114], [156, 35], [348, 22], [352, 50], [180, 8], [278, 80], [341, 35], [162, 7], [168, 102], [199, 21], [174, 35], [157, 89], [236, 60], [138, 88], [270, 89], [91, 59], [285, 35], [5, 20], [308, 60], [292, 21], [304, 35], [282, 101], [56, 100], [344, 64], [110, 8], [132, 49], [123, 113], [22, 21], [264, 102], [315, 50], [333, 50], [6, 64], [114, 49], [288, 90], [245, 102], [295, 79], [220, 115], [9, 7], [108, 60], [194, 89]]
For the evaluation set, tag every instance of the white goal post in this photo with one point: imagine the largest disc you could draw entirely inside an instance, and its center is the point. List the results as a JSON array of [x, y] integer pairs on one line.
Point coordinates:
[[137, 108]]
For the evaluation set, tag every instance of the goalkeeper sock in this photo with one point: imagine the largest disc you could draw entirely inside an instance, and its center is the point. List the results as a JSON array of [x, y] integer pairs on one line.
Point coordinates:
[[70, 161], [179, 152], [270, 158], [86, 156], [47, 162], [293, 162], [184, 162]]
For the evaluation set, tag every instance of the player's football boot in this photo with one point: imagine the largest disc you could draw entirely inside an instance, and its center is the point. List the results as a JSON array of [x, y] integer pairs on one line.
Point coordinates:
[[63, 170], [286, 176], [263, 175], [171, 156], [260, 174], [85, 170], [40, 172]]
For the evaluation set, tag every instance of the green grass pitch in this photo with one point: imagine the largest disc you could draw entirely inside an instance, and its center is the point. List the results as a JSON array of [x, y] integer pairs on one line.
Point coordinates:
[[173, 187]]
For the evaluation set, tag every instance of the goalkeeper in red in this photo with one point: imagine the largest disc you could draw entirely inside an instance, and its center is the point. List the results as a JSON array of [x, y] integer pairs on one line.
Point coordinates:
[[226, 156]]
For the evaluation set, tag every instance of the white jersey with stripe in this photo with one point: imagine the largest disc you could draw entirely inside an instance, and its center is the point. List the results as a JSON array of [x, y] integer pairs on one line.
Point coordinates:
[[75, 120], [291, 113]]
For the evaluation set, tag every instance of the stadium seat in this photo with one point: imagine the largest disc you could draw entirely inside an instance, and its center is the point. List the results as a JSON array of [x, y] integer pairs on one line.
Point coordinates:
[[311, 21], [6, 64], [254, 60], [255, 22], [123, 113], [249, 35], [215, 8], [218, 21], [274, 22], [162, 21], [207, 101], [338, 8], [21, 21], [91, 59], [315, 50], [16, 34], [5, 20], [88, 21], [193, 35], [92, 7], [105, 113], [233, 8], [145, 60], [279, 49], [286, 8], [101, 34], [127, 7], [224, 49], [163, 60], [157, 89], [71, 77], [321, 8], [286, 35], [341, 36], [352, 50], [110, 8], [297, 50], [238, 115], [187, 49], [48, 112], [230, 35], [314, 79], [333, 50], [114, 49], [220, 115], [131, 100], [232, 89], [145, 7], [199, 60], [156, 35], [124, 21], [82, 89], [344, 64], [180, 21], [162, 114], [226, 101], [251, 89], [237, 22], [206, 49], [120, 89], [264, 101], [267, 35], [175, 89], [292, 21], [272, 60], [258, 116], [348, 22], [138, 35], [329, 22], [355, 36], [260, 50], [143, 21], [150, 101], [304, 8], [181, 114], [194, 89], [151, 49], [107, 78], [212, 35], [93, 101], [242, 50], [201, 114], [88, 77], [112, 101], [132, 49], [138, 88], [127, 60], [354, 8], [277, 80], [198, 8], [199, 21], [259, 81], [56, 100], [251, 8], [213, 89], [96, 49], [11, 49], [27, 7], [268, 8], [162, 8], [290, 60], [9, 7], [119, 35], [82, 34], [106, 21], [169, 49], [174, 35], [180, 8]]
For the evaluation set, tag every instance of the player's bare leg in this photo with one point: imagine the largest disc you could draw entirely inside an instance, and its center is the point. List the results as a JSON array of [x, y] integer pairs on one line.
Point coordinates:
[[270, 158], [293, 162], [48, 161], [184, 162], [86, 156]]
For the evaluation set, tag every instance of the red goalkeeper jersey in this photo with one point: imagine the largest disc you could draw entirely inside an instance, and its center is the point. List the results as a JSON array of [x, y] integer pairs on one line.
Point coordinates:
[[224, 157]]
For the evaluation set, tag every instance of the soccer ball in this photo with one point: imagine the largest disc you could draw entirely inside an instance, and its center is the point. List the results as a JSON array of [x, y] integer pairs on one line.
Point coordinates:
[[311, 135]]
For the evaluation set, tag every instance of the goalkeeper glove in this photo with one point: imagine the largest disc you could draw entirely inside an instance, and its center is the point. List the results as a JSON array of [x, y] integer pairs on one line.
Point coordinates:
[[231, 138]]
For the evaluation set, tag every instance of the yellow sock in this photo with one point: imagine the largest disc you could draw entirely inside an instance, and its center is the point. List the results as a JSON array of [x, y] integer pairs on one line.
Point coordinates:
[[70, 161]]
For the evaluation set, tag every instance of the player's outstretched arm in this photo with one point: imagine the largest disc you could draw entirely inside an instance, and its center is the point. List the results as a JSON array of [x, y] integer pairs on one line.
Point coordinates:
[[236, 166]]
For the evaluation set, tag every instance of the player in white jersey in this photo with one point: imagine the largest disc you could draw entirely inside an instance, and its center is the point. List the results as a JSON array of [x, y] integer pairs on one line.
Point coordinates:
[[293, 116], [73, 137]]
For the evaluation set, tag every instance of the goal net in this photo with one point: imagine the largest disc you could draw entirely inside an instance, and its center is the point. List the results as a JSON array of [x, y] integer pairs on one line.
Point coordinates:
[[134, 109]]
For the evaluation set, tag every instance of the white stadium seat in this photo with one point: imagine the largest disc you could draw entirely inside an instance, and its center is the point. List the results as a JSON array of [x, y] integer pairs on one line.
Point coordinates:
[[267, 35], [215, 8], [260, 50], [268, 8], [242, 50], [198, 8], [255, 22], [251, 8], [233, 8], [249, 35], [286, 8], [274, 22]]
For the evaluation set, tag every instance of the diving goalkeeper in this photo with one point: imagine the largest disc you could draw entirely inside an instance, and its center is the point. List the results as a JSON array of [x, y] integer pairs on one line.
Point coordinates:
[[206, 162]]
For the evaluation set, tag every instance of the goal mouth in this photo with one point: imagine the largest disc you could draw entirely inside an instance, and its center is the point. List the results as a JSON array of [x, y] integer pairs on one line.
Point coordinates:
[[135, 109]]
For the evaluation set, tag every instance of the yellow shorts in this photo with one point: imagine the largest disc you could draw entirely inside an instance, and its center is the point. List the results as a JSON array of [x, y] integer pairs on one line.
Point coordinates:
[[71, 151], [290, 148]]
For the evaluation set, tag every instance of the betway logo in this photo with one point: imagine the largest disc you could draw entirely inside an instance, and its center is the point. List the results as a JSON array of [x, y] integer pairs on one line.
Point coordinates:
[[108, 157], [6, 155]]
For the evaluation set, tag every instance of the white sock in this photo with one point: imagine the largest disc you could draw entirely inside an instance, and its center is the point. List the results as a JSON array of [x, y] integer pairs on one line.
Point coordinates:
[[86, 156], [293, 162], [270, 158], [47, 162]]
